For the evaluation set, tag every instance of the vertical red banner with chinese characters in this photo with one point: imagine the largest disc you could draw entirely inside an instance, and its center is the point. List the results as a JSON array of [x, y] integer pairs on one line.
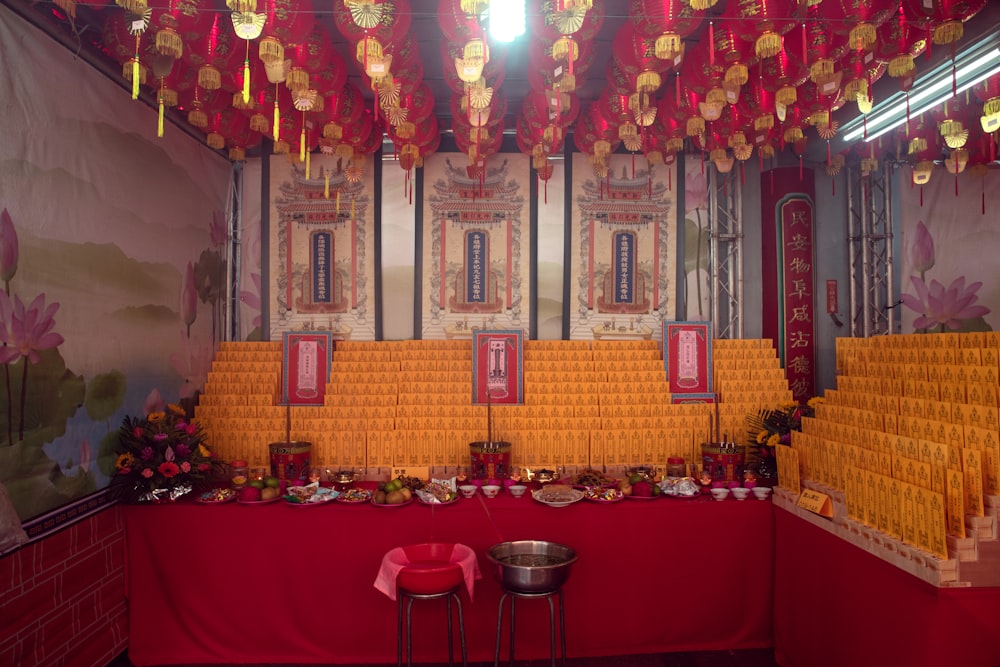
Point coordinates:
[[788, 283], [305, 367], [497, 369]]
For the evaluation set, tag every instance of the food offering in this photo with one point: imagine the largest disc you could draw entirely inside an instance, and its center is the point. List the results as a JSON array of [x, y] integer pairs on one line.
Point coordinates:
[[310, 495], [396, 492], [557, 495], [680, 487], [590, 478], [436, 493], [218, 496], [639, 487], [257, 491], [603, 494], [355, 495]]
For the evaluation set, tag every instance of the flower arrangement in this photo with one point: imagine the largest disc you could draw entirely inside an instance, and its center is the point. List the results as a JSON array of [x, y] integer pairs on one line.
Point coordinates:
[[160, 457], [769, 428]]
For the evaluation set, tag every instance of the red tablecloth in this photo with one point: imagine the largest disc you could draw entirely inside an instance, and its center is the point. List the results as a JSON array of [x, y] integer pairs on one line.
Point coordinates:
[[838, 605], [285, 584]]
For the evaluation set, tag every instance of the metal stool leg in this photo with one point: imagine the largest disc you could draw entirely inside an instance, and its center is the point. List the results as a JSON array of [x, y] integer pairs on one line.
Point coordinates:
[[513, 602], [451, 650], [496, 654], [552, 630], [399, 630], [562, 626], [409, 633], [461, 630]]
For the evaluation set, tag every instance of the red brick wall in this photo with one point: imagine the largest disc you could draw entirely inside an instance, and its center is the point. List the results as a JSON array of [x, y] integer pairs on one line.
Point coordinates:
[[62, 599]]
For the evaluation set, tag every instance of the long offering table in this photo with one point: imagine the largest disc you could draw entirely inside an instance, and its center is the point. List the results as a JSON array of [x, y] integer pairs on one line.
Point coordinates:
[[282, 584]]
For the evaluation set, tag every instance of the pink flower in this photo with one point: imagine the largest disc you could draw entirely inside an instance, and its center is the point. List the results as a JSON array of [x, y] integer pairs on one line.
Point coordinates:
[[147, 473], [168, 469], [189, 296], [940, 306], [695, 189], [922, 250], [27, 331], [183, 450], [191, 429], [154, 403], [137, 431], [124, 470], [160, 437], [8, 247], [146, 454], [185, 467]]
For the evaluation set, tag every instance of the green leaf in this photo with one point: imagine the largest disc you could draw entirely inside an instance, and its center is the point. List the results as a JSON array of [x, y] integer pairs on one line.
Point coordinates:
[[105, 394]]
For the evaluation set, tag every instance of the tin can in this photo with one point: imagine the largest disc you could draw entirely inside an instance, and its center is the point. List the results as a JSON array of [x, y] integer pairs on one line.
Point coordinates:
[[290, 461]]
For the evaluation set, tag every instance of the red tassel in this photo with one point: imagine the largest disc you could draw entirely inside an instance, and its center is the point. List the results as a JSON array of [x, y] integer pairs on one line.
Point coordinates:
[[670, 180], [711, 43], [921, 196], [805, 42], [677, 88], [956, 184], [545, 192]]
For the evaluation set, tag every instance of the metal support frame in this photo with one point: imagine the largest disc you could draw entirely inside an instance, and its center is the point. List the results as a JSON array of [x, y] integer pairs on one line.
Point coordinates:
[[725, 208], [869, 239]]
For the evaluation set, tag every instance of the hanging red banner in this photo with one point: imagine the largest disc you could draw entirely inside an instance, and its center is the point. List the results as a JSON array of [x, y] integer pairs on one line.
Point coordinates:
[[789, 262]]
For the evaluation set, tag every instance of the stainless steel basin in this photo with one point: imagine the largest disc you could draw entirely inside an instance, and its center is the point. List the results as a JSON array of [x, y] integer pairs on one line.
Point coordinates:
[[531, 566]]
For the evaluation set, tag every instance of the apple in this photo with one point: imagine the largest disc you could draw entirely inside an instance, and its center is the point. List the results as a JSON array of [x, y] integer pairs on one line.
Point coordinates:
[[642, 489], [250, 494]]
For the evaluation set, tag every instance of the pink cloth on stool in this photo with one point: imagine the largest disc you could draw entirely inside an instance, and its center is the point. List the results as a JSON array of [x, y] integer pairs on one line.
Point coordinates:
[[396, 559]]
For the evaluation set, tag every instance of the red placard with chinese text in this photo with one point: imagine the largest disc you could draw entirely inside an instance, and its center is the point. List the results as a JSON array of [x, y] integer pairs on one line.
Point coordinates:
[[788, 274], [497, 368], [687, 356], [305, 367]]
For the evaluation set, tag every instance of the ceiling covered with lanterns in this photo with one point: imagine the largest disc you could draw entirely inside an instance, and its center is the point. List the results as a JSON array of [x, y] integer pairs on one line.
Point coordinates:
[[731, 79]]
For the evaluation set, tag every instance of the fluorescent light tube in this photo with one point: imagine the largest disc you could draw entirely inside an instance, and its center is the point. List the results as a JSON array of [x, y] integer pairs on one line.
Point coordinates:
[[884, 120]]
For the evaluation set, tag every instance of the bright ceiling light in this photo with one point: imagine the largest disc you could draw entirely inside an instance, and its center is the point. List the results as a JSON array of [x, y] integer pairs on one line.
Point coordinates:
[[928, 92], [507, 19]]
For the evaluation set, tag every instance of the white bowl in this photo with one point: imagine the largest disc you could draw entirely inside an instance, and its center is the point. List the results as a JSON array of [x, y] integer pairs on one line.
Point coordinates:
[[491, 490], [740, 493], [761, 492], [517, 490], [467, 490], [720, 493]]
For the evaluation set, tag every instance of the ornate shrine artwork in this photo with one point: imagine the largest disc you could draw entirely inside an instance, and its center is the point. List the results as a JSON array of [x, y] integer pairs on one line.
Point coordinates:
[[687, 358], [305, 366], [623, 248], [322, 249], [497, 375], [476, 246]]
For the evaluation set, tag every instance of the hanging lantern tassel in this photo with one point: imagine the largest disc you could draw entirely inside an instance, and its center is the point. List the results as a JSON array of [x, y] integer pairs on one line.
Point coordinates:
[[246, 80], [302, 146], [135, 78], [352, 208], [711, 43], [921, 196], [338, 203], [670, 180], [326, 185], [545, 192], [308, 160], [276, 121], [159, 118]]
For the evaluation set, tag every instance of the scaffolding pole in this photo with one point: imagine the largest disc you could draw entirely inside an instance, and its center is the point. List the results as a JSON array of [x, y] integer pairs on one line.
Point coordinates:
[[869, 237], [726, 253]]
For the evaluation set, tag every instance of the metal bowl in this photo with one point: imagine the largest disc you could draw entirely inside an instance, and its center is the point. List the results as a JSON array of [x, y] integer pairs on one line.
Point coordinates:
[[531, 566]]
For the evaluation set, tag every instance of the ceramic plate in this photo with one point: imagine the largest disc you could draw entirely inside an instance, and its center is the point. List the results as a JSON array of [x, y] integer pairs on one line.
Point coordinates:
[[354, 496], [565, 497], [402, 504], [259, 502]]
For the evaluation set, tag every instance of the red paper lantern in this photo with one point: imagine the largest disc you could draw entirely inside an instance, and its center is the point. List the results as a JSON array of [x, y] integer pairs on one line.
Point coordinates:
[[857, 20], [900, 42], [943, 18], [761, 22], [550, 22], [654, 18], [387, 27], [215, 52], [288, 21], [456, 25]]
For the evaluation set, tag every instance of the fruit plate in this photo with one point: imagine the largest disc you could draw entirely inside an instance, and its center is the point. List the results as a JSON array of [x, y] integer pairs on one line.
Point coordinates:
[[218, 497], [321, 497], [402, 504], [259, 502], [565, 496]]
